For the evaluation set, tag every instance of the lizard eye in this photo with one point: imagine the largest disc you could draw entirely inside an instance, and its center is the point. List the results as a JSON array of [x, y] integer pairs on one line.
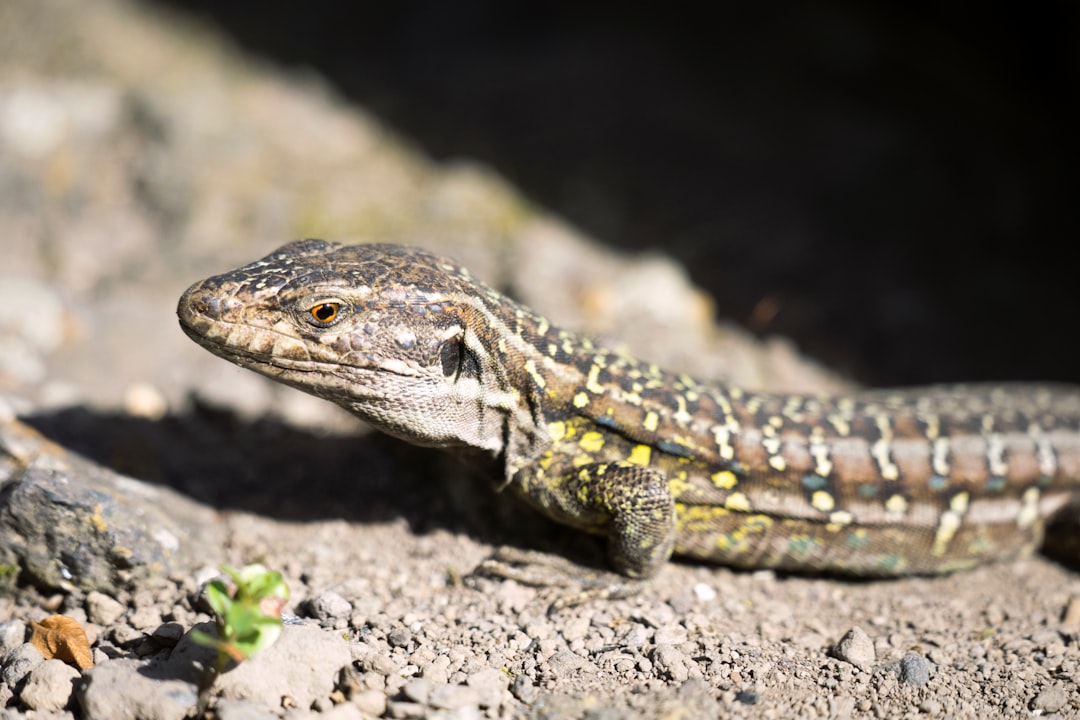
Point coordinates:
[[325, 313], [450, 356]]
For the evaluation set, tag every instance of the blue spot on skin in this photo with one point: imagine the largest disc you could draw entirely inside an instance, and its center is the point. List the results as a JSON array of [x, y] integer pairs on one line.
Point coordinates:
[[813, 482], [936, 482], [607, 421], [868, 490], [674, 449], [857, 540], [996, 483], [801, 547]]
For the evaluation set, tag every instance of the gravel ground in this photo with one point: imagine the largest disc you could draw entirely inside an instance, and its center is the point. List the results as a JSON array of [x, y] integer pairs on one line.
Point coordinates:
[[126, 176]]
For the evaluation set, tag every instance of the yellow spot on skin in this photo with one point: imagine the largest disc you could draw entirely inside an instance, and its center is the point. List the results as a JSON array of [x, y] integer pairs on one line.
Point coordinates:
[[840, 425], [725, 479], [592, 383], [940, 456], [823, 501], [896, 504], [651, 421], [681, 416], [557, 430], [678, 484], [738, 502], [946, 530], [581, 400], [1029, 509], [591, 442], [841, 517], [536, 376], [640, 455], [959, 503], [777, 463], [722, 436]]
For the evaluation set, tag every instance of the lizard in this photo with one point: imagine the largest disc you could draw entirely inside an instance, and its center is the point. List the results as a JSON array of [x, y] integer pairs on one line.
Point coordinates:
[[872, 483]]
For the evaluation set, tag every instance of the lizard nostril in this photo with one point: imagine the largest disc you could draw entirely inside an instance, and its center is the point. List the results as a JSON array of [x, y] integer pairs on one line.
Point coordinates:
[[199, 301]]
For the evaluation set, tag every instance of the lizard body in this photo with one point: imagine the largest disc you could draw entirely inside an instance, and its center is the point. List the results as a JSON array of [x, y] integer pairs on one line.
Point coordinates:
[[874, 483]]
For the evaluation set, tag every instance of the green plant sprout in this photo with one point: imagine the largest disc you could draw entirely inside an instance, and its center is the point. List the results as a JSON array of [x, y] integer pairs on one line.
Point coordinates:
[[247, 610]]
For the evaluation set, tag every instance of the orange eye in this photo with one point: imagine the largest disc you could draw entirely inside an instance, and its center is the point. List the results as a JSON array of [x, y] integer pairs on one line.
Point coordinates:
[[326, 312]]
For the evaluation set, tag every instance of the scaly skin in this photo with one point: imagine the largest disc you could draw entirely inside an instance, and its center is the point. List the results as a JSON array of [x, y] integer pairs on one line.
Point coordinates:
[[875, 483]]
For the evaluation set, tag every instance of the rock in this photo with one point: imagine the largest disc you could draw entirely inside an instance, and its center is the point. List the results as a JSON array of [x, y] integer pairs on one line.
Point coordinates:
[[50, 686], [132, 690], [242, 710], [914, 669], [145, 618], [454, 697], [370, 702], [1049, 700], [492, 685], [329, 605], [856, 647], [671, 663], [102, 609], [301, 666], [12, 635], [670, 634], [72, 524], [168, 633], [18, 663]]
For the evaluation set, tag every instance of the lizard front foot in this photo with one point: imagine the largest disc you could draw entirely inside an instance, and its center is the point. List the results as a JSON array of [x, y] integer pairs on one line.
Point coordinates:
[[538, 569]]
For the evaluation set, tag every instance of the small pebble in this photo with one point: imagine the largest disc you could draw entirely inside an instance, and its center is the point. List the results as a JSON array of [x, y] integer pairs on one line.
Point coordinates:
[[102, 609], [378, 663], [856, 647], [145, 401], [524, 689], [1071, 616], [168, 633], [671, 663], [124, 634], [49, 686], [145, 618], [930, 707], [670, 634], [747, 697], [399, 637], [12, 635], [371, 702], [1050, 700], [704, 592], [491, 685], [18, 663], [329, 606], [914, 670], [418, 690], [453, 697]]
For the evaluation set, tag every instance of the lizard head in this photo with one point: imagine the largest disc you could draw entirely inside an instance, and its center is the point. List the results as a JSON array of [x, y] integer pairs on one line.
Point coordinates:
[[399, 336]]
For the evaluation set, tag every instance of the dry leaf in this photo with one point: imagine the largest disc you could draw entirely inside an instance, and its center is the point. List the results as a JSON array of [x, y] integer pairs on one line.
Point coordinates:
[[63, 638]]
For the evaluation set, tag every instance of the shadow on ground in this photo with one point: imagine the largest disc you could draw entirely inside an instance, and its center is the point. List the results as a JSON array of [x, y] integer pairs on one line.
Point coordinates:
[[276, 471]]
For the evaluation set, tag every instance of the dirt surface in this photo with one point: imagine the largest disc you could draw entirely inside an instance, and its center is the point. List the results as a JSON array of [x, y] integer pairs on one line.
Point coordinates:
[[127, 174]]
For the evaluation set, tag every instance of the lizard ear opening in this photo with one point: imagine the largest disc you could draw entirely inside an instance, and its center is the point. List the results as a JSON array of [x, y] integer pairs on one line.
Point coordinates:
[[450, 356]]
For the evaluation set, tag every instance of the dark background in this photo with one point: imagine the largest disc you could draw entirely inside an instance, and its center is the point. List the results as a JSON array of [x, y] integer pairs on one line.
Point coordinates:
[[889, 185]]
